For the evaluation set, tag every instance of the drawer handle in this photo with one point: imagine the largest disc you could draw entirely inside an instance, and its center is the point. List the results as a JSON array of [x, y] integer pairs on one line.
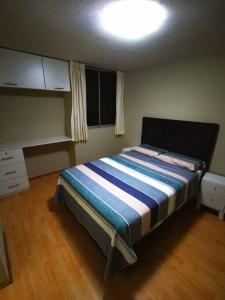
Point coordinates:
[[211, 199], [10, 83], [13, 186], [58, 88], [214, 188], [9, 173], [7, 158]]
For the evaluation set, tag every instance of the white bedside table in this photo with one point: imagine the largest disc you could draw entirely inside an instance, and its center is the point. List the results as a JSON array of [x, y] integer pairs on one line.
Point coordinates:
[[213, 192], [126, 149]]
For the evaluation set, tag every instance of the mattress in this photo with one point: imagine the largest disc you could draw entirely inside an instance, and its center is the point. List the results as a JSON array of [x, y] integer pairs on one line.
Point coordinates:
[[121, 198]]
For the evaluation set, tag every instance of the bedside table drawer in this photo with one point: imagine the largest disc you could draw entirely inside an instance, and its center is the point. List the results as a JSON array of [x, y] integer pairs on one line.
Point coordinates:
[[213, 189], [12, 171], [212, 201], [10, 157], [13, 185]]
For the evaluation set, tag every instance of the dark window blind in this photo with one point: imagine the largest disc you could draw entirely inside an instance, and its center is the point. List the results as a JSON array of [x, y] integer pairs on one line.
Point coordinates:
[[101, 97]]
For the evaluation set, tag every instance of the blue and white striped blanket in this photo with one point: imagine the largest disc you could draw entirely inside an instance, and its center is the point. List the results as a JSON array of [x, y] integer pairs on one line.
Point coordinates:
[[127, 196]]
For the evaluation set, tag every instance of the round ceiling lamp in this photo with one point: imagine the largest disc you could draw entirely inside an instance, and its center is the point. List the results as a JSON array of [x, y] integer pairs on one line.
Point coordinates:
[[133, 19]]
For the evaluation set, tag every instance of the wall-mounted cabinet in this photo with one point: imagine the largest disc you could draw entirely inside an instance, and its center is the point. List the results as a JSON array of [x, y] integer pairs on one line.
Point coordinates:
[[56, 73], [24, 70], [21, 70]]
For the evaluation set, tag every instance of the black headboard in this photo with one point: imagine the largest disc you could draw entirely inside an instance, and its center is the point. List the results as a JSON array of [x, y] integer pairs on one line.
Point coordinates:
[[195, 139]]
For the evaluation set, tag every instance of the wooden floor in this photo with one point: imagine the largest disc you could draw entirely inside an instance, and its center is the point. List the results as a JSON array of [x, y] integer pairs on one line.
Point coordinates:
[[53, 257]]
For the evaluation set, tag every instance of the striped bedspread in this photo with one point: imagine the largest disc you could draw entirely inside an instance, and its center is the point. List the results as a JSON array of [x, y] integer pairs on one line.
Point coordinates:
[[127, 196]]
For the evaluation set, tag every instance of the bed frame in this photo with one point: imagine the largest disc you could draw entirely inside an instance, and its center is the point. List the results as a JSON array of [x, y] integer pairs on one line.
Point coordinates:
[[194, 139], [190, 138]]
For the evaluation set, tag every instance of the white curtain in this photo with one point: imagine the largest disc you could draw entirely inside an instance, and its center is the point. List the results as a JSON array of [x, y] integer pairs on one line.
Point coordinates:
[[79, 129], [119, 127]]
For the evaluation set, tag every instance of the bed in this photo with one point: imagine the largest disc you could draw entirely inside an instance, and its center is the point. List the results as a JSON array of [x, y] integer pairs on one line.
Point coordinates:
[[121, 198]]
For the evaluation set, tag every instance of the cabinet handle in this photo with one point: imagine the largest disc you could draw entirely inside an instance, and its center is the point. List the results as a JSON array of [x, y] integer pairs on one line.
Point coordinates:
[[13, 186], [58, 88], [7, 158], [9, 173], [10, 83]]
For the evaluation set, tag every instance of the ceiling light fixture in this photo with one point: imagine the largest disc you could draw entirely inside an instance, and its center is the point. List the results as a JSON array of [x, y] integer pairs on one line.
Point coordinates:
[[133, 19]]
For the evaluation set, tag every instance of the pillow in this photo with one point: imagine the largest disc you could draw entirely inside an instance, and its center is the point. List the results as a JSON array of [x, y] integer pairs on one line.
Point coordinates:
[[183, 161], [148, 150]]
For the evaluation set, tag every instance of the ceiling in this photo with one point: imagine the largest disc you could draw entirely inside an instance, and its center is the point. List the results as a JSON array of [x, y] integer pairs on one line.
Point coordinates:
[[69, 29]]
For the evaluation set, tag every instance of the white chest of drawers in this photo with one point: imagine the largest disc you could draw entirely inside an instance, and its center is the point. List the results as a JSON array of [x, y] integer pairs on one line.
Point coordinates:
[[213, 192], [13, 173]]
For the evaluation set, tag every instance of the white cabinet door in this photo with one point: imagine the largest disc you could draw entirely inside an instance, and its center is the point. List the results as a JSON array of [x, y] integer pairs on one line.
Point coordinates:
[[56, 74], [23, 70]]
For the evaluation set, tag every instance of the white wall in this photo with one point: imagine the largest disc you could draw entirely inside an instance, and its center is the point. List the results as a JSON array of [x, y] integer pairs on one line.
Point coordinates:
[[192, 90]]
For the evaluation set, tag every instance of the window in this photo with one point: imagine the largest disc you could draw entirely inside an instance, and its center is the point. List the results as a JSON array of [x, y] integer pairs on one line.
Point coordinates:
[[101, 97]]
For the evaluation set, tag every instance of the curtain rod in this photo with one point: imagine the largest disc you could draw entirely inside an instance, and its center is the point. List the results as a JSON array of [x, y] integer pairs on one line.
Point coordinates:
[[90, 67]]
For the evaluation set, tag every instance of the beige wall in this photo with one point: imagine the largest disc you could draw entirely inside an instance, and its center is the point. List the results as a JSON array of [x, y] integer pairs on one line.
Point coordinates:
[[30, 114], [192, 90], [188, 90], [47, 159], [101, 142], [26, 114]]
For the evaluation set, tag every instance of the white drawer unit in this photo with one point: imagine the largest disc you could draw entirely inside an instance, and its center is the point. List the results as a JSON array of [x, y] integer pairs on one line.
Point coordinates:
[[11, 156], [213, 192], [13, 185], [214, 185], [213, 202], [13, 173]]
